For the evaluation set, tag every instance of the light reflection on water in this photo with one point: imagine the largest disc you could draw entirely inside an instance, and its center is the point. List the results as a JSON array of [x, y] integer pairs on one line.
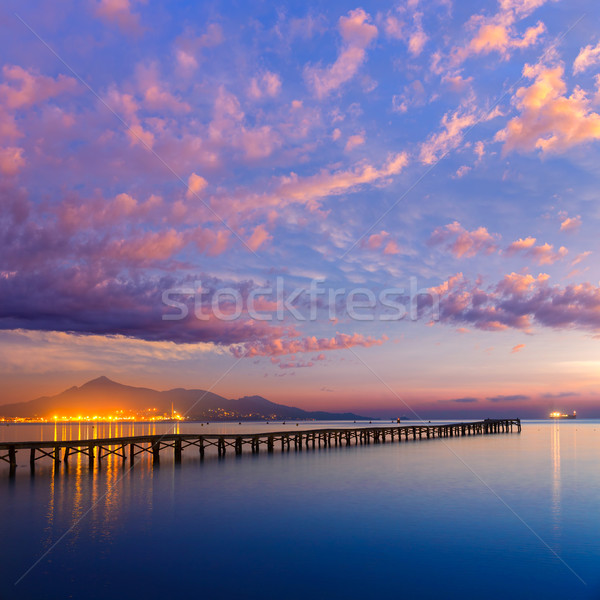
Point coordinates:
[[354, 522]]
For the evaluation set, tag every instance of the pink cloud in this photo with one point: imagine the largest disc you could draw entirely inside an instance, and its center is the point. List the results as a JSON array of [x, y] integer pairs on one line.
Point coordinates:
[[282, 346], [310, 190], [549, 120], [228, 127], [497, 33], [381, 240], [438, 144], [461, 242], [188, 47], [517, 348], [417, 37], [25, 88], [155, 95], [120, 13], [354, 141], [461, 171], [406, 25], [196, 184], [580, 257], [267, 85], [499, 37], [11, 160], [258, 238], [570, 223], [587, 57], [295, 364], [413, 94], [357, 34], [543, 254]]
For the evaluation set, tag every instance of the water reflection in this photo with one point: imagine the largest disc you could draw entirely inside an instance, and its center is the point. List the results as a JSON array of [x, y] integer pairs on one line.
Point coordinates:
[[556, 482]]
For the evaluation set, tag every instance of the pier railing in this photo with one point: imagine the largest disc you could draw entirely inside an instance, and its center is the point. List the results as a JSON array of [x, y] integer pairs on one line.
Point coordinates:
[[131, 446]]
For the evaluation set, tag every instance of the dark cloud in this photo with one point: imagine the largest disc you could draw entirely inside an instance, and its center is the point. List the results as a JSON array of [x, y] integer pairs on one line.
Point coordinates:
[[462, 400], [514, 398]]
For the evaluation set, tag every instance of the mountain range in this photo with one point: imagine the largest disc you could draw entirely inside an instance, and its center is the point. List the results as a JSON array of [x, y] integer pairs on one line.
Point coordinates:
[[103, 396]]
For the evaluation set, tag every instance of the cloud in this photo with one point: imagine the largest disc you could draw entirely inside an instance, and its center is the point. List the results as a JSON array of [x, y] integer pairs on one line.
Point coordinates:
[[461, 171], [498, 33], [379, 241], [561, 395], [196, 185], [258, 238], [587, 57], [357, 34], [543, 254], [513, 398], [267, 85], [120, 13], [518, 302], [498, 36], [412, 95], [456, 82], [229, 128], [155, 95], [188, 47], [295, 364], [466, 400], [397, 26], [25, 88], [549, 120], [460, 242], [517, 348], [438, 144], [311, 189], [417, 37], [11, 160], [282, 346], [570, 223], [580, 257], [354, 141]]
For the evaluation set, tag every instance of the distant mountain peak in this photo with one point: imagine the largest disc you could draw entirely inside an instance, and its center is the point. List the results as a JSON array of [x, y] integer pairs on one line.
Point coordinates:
[[102, 380]]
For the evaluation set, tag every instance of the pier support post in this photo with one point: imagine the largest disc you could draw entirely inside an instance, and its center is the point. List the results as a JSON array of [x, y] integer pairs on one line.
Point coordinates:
[[12, 459], [155, 451], [177, 450]]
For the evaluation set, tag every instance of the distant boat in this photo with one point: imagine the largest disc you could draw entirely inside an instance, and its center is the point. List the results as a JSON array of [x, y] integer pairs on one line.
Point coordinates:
[[398, 420], [559, 415]]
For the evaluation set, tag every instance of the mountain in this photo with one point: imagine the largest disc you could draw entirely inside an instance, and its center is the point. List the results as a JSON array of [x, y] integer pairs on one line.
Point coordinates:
[[103, 397]]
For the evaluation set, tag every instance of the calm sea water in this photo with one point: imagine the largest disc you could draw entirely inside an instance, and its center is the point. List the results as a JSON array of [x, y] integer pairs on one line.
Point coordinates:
[[511, 515]]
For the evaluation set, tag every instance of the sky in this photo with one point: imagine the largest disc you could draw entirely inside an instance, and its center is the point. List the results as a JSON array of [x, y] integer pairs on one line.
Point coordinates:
[[385, 207]]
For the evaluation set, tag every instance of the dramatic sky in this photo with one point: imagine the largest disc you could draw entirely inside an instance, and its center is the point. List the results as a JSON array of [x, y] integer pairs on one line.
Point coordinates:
[[161, 158]]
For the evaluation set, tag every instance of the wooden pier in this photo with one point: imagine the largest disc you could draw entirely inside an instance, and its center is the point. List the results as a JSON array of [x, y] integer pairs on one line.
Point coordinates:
[[127, 448]]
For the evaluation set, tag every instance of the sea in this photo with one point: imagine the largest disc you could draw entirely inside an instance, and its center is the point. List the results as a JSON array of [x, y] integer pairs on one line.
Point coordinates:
[[512, 515]]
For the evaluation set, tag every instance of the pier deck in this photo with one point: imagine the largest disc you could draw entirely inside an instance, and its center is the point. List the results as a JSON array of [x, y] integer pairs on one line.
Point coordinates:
[[131, 446]]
